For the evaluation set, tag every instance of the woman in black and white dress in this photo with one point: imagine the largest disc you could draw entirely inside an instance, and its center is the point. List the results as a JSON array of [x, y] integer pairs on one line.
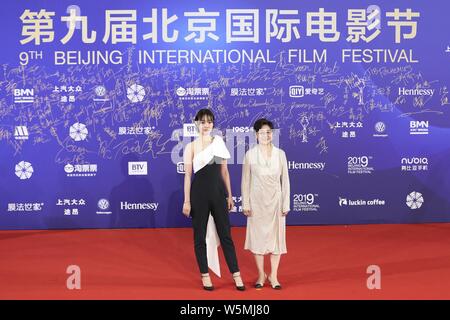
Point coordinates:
[[209, 194]]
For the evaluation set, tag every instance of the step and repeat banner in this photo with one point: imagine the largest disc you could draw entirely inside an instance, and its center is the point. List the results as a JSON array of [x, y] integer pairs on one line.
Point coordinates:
[[97, 100]]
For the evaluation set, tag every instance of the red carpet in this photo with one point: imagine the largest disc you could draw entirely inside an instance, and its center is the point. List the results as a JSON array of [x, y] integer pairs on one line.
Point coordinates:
[[323, 262]]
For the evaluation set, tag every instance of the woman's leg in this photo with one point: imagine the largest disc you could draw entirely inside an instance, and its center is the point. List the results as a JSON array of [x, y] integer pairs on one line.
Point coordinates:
[[259, 259], [274, 263], [200, 215], [220, 214]]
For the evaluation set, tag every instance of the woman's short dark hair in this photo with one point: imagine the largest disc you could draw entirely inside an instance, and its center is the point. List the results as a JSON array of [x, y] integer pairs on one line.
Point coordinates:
[[204, 112], [262, 122]]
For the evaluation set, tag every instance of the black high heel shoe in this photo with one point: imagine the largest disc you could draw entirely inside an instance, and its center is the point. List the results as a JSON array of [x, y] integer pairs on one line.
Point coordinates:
[[276, 287], [240, 288], [259, 285], [207, 288]]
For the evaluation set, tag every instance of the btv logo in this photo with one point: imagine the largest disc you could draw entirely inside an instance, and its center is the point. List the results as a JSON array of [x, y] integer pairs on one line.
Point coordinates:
[[137, 168], [190, 130], [23, 95], [342, 202], [21, 133], [296, 91]]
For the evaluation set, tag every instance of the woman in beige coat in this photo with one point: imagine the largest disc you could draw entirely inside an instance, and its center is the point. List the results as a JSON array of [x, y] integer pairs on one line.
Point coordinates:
[[266, 201]]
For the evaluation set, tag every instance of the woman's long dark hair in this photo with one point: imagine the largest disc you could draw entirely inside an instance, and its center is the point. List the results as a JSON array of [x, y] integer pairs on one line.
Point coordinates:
[[204, 112]]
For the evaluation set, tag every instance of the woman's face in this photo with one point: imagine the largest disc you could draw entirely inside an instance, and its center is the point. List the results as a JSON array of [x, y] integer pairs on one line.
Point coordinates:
[[264, 135], [205, 125]]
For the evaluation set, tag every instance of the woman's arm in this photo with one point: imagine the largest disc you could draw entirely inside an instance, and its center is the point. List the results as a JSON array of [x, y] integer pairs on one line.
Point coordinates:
[[226, 180], [187, 158], [285, 185], [245, 186]]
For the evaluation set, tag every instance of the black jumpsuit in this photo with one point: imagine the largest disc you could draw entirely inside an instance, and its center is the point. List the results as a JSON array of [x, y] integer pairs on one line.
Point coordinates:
[[208, 194]]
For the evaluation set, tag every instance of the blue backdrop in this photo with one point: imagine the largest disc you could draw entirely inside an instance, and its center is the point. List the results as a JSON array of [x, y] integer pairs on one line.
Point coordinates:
[[97, 100]]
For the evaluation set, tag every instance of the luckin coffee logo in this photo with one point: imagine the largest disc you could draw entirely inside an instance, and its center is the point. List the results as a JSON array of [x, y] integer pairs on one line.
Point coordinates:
[[361, 202], [139, 206], [138, 168]]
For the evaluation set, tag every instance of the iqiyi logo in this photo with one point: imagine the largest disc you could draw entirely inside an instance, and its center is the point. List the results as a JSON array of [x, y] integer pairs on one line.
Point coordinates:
[[180, 167], [296, 91]]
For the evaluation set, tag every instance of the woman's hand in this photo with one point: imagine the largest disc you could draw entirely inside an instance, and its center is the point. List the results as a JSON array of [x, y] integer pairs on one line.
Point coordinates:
[[284, 214], [230, 203], [187, 209], [248, 213]]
